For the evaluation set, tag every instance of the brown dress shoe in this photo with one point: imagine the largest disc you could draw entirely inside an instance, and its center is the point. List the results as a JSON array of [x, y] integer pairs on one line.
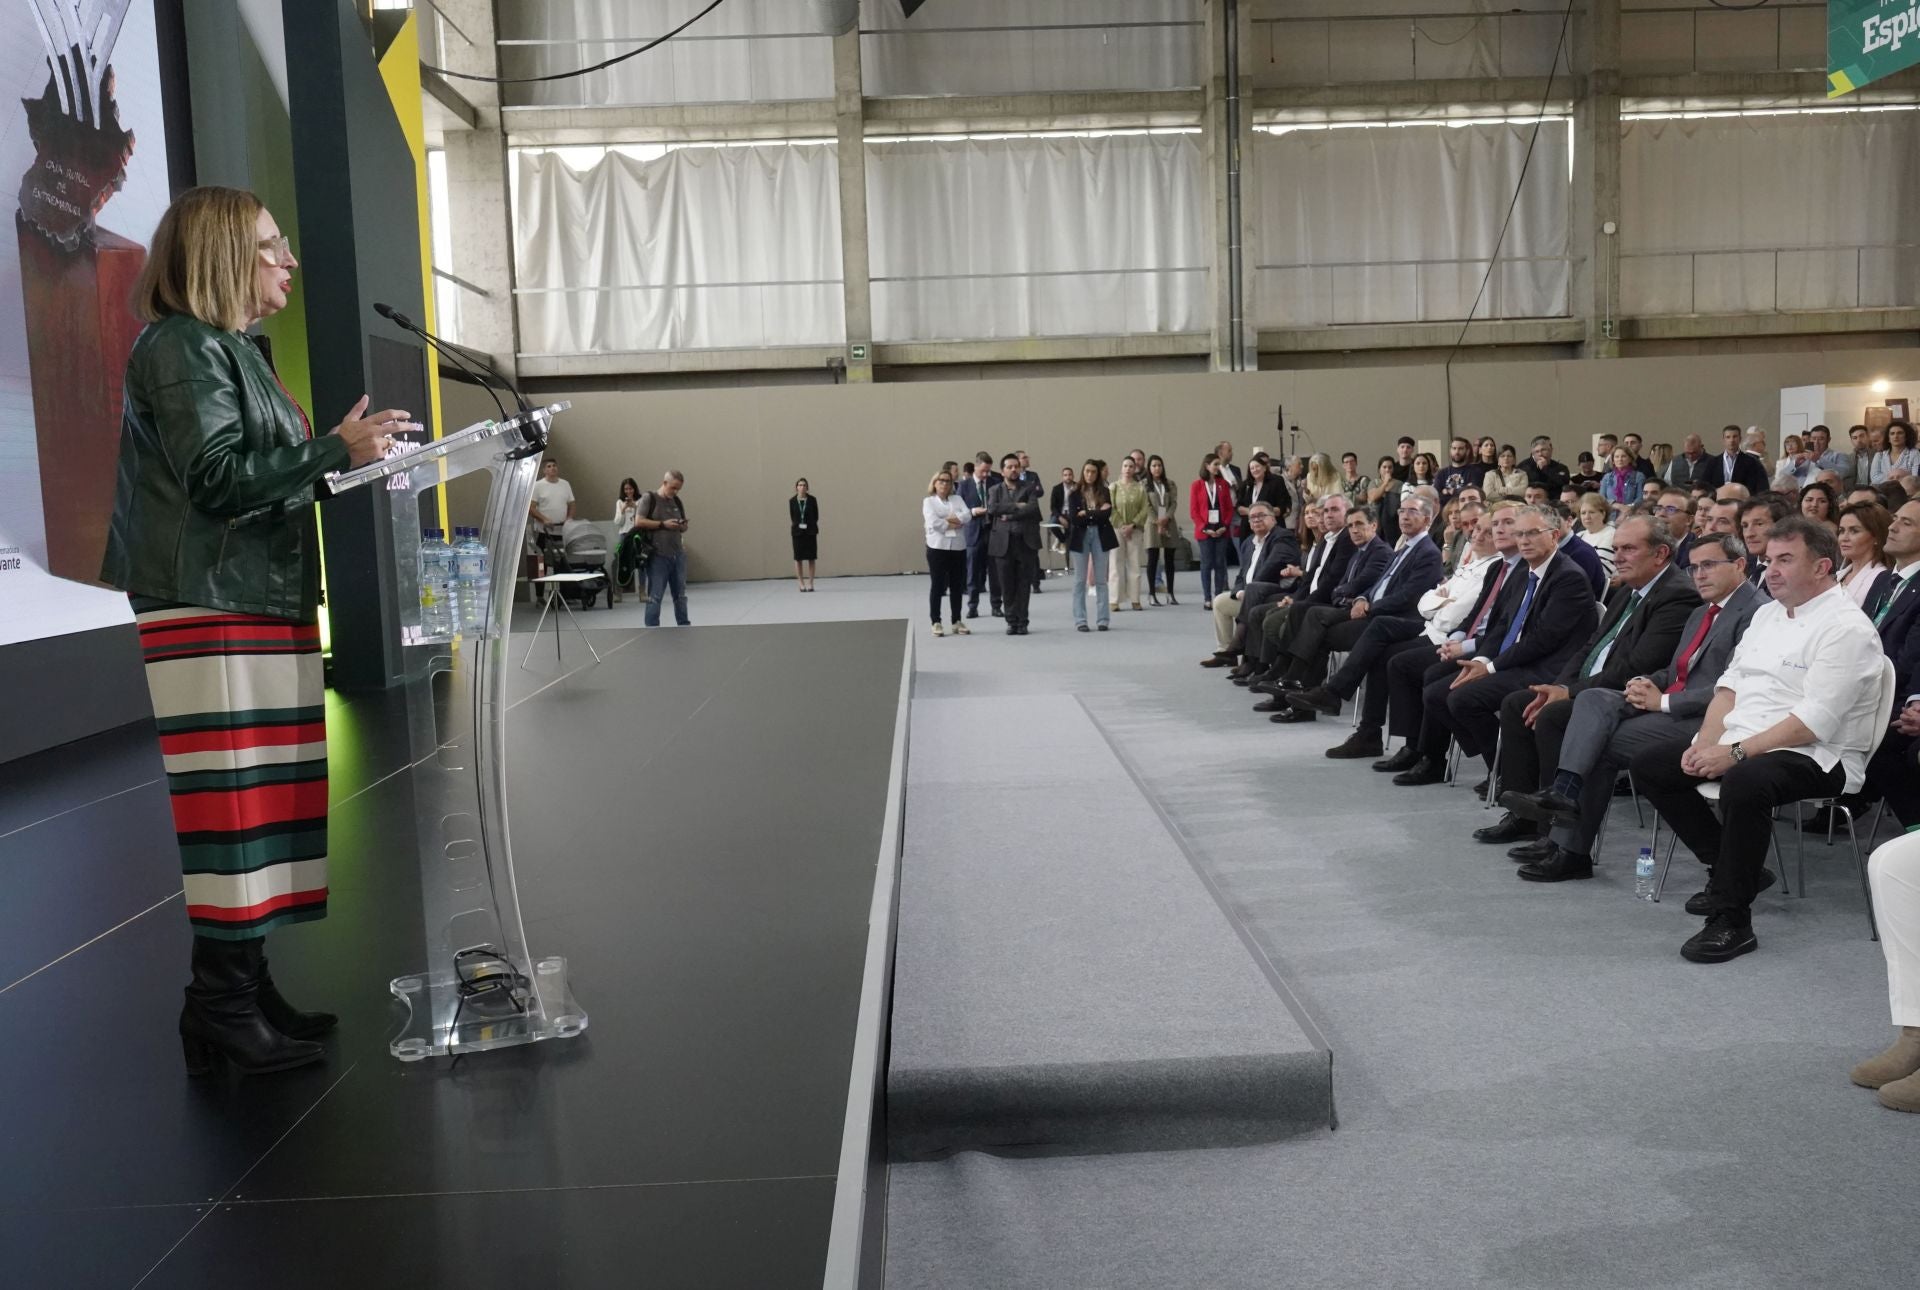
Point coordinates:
[[1899, 1062]]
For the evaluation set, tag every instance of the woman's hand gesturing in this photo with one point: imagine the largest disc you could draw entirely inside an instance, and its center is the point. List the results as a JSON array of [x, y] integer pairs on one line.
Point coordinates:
[[367, 438]]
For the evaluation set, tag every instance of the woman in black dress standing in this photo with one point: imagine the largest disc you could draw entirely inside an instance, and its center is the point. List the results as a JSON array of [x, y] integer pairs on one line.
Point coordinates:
[[803, 516]]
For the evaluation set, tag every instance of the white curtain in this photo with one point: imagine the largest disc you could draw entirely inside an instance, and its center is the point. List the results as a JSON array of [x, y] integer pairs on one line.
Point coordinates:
[[993, 238], [1397, 224], [952, 47], [763, 51], [704, 248], [1740, 214]]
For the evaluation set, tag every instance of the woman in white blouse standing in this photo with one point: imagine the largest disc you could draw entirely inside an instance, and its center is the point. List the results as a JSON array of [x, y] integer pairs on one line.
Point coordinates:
[[944, 517]]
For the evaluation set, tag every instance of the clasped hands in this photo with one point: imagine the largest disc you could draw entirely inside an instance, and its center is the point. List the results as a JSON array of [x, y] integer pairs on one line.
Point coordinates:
[[1708, 761]]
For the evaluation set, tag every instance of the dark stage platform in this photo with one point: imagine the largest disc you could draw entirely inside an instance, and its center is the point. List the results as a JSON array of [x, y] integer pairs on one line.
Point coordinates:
[[697, 825]]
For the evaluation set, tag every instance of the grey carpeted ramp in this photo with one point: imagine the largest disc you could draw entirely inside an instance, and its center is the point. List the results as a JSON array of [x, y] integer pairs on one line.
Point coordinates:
[[1064, 977]]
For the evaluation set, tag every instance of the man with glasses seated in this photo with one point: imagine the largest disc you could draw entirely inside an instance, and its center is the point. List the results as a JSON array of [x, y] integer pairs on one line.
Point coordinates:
[[1639, 628], [1792, 718], [1603, 729], [1552, 613], [1674, 508]]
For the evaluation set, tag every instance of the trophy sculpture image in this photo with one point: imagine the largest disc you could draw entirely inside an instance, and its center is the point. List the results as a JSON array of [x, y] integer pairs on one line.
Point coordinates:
[[76, 278]]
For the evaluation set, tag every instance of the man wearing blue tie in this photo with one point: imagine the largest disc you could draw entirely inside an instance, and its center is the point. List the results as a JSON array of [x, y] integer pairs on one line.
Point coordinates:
[[1554, 613]]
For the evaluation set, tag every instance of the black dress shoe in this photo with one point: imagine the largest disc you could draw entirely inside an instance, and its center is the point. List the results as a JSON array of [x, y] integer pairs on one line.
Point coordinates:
[[1545, 807], [1528, 852], [973, 612], [1084, 628], [1318, 699], [999, 612], [1012, 630], [1406, 759], [1361, 743], [1251, 681], [1699, 902], [1726, 936], [1480, 789], [1427, 770], [1271, 705], [1293, 717], [1561, 866], [1292, 686], [1511, 828]]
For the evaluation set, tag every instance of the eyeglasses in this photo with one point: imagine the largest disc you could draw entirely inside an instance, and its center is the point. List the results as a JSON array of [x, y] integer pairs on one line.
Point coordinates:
[[1671, 510], [278, 247], [1698, 567], [1528, 533]]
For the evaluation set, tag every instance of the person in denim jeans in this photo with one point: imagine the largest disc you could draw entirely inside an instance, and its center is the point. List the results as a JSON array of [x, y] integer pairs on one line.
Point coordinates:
[[664, 515]]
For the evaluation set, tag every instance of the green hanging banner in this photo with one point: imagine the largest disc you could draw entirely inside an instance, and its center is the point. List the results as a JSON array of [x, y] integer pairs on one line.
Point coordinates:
[[1868, 39]]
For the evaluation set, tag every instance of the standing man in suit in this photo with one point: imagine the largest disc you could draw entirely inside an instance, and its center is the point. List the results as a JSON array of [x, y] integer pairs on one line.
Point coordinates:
[[1638, 631], [1413, 570], [981, 570], [1604, 729], [1014, 544], [1552, 613], [1734, 466], [1273, 549]]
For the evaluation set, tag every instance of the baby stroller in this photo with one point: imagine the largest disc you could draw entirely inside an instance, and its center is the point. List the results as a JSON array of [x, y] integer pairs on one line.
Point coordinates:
[[584, 549]]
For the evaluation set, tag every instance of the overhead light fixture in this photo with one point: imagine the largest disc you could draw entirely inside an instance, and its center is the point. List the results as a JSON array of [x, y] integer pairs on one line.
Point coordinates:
[[1881, 387]]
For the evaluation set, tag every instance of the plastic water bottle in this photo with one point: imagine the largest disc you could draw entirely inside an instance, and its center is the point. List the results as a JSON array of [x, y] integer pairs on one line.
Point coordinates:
[[471, 583], [1643, 874], [436, 585]]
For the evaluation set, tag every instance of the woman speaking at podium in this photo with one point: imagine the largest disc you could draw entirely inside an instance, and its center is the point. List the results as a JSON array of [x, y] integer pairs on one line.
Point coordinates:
[[213, 538]]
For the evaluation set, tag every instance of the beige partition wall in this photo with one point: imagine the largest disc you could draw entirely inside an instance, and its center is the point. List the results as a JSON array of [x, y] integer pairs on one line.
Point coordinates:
[[868, 451]]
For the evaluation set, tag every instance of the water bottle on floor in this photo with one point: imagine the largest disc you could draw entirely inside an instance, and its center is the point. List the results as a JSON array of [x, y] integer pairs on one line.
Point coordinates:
[[1643, 874]]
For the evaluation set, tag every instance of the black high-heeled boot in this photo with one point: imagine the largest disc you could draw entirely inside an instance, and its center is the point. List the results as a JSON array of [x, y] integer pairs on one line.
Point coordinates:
[[222, 1017], [280, 1014]]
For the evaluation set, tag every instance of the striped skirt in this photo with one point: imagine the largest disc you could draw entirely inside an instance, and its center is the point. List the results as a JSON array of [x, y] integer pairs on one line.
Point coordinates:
[[240, 701]]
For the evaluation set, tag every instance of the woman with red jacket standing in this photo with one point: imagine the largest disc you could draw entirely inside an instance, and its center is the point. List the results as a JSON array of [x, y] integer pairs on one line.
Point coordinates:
[[1210, 503]]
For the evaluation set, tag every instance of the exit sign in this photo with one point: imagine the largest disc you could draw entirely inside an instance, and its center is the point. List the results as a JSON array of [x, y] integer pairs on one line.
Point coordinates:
[[857, 353]]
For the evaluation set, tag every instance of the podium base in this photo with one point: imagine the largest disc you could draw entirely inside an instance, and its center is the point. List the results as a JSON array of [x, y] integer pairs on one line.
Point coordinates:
[[443, 1023]]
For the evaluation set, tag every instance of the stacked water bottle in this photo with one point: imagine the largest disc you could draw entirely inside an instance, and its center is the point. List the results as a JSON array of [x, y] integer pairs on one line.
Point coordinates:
[[455, 582]]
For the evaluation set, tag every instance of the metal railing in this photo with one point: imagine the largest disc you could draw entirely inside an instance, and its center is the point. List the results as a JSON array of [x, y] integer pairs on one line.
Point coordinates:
[[1644, 295], [1328, 297]]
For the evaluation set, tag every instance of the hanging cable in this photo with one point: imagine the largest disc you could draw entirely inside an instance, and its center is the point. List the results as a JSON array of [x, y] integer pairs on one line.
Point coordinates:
[[601, 66], [1519, 187]]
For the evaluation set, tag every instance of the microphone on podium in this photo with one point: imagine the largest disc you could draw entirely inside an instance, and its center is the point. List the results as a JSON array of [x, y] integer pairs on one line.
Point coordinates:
[[400, 320]]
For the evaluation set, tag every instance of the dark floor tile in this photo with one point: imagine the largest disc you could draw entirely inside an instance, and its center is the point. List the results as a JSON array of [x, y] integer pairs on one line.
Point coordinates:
[[708, 1236], [87, 1249]]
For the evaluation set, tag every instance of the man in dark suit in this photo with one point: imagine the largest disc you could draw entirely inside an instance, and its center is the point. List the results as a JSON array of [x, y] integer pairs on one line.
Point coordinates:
[[1604, 728], [1014, 544], [1368, 561], [1313, 581], [1543, 471], [1891, 772], [1413, 570], [1733, 466], [1637, 633], [982, 573], [1273, 550], [1552, 612], [1355, 558]]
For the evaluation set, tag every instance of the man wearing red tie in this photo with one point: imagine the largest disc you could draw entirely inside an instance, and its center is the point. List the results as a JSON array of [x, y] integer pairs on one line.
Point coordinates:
[[1605, 728]]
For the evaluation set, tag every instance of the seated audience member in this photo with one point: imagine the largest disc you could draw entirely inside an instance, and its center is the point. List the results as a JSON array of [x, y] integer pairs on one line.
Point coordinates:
[[1722, 518], [1459, 532], [1506, 481], [1659, 457], [1412, 570], [1582, 554], [1543, 470], [1757, 518], [1310, 583], [1623, 482], [1536, 495], [1638, 629], [1545, 612], [1436, 615], [1273, 549], [1866, 571], [1894, 872], [1598, 735], [1796, 467], [1732, 493], [1893, 773], [1369, 555], [1596, 529], [1734, 465], [1585, 477], [1674, 508], [1818, 502], [1791, 718]]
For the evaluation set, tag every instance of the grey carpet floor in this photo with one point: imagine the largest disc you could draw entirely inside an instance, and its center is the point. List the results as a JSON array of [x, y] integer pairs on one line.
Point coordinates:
[[1534, 1089]]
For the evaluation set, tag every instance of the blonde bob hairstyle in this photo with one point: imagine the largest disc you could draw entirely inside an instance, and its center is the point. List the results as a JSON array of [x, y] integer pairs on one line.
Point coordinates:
[[203, 260], [933, 482]]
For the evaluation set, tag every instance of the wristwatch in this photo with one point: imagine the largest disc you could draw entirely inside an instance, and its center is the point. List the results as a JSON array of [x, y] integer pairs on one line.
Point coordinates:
[[1739, 753]]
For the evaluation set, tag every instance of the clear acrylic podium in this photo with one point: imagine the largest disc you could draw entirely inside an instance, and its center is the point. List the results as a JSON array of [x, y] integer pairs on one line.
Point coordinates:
[[480, 987]]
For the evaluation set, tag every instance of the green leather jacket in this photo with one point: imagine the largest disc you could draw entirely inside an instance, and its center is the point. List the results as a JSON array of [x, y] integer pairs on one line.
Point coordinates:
[[214, 500]]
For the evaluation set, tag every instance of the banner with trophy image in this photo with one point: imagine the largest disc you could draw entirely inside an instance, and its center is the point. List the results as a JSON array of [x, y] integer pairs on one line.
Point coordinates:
[[81, 94]]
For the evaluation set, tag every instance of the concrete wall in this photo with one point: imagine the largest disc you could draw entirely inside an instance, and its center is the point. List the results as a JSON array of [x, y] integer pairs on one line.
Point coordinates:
[[868, 451]]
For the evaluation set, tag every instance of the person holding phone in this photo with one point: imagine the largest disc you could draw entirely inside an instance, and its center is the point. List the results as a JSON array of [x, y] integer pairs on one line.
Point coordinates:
[[664, 514]]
